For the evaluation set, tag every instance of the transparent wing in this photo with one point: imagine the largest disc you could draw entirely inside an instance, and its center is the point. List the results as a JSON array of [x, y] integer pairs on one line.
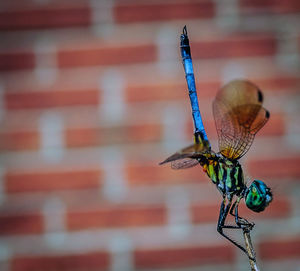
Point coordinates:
[[187, 157], [238, 115], [184, 163]]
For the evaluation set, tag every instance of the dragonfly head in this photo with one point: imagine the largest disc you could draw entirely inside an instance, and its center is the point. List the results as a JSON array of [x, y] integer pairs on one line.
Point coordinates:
[[258, 196]]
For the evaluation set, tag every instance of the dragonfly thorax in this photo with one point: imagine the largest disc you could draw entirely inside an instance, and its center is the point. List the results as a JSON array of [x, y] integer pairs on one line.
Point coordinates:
[[227, 175]]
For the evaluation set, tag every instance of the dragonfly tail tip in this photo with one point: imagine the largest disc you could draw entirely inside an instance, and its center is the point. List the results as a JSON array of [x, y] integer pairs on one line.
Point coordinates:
[[184, 31]]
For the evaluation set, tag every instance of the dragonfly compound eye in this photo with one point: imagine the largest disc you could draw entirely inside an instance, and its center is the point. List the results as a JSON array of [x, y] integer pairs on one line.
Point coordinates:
[[258, 196]]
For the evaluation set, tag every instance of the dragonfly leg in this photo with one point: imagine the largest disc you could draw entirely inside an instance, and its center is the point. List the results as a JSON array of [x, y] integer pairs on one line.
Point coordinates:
[[224, 210], [240, 221]]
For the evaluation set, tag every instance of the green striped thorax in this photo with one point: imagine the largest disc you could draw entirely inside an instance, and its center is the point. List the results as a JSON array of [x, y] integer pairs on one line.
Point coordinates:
[[258, 196], [225, 174]]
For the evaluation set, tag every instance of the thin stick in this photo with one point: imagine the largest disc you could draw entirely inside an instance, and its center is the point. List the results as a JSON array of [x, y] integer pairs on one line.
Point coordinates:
[[250, 249]]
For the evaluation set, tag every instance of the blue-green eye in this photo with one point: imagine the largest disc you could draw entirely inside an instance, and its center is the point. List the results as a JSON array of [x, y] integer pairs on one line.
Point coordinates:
[[258, 196]]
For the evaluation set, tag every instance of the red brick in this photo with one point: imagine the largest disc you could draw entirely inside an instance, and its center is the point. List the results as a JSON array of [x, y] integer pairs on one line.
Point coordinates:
[[288, 248], [144, 133], [83, 137], [47, 181], [235, 46], [283, 167], [88, 261], [141, 12], [21, 224], [205, 212], [168, 91], [152, 174], [46, 99], [119, 216], [45, 17], [183, 256], [108, 55], [270, 6], [16, 60], [19, 140], [278, 82], [163, 92]]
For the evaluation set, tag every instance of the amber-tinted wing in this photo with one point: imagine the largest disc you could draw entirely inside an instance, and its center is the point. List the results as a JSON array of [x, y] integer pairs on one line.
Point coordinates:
[[187, 157], [239, 115]]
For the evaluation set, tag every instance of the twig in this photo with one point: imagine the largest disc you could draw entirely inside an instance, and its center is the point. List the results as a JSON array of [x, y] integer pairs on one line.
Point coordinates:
[[250, 249]]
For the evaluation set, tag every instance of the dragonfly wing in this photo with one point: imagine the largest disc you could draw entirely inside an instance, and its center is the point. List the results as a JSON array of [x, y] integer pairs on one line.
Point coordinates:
[[184, 163], [184, 153], [239, 115], [187, 157]]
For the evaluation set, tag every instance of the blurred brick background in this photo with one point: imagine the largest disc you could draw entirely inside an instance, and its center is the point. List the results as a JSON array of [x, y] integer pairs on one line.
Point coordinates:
[[93, 96]]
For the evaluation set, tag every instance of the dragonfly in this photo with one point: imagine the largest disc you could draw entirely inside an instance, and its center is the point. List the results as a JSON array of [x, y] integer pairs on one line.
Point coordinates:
[[238, 115]]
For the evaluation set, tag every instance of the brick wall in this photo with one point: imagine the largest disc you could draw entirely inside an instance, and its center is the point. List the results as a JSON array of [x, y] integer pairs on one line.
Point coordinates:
[[93, 96]]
